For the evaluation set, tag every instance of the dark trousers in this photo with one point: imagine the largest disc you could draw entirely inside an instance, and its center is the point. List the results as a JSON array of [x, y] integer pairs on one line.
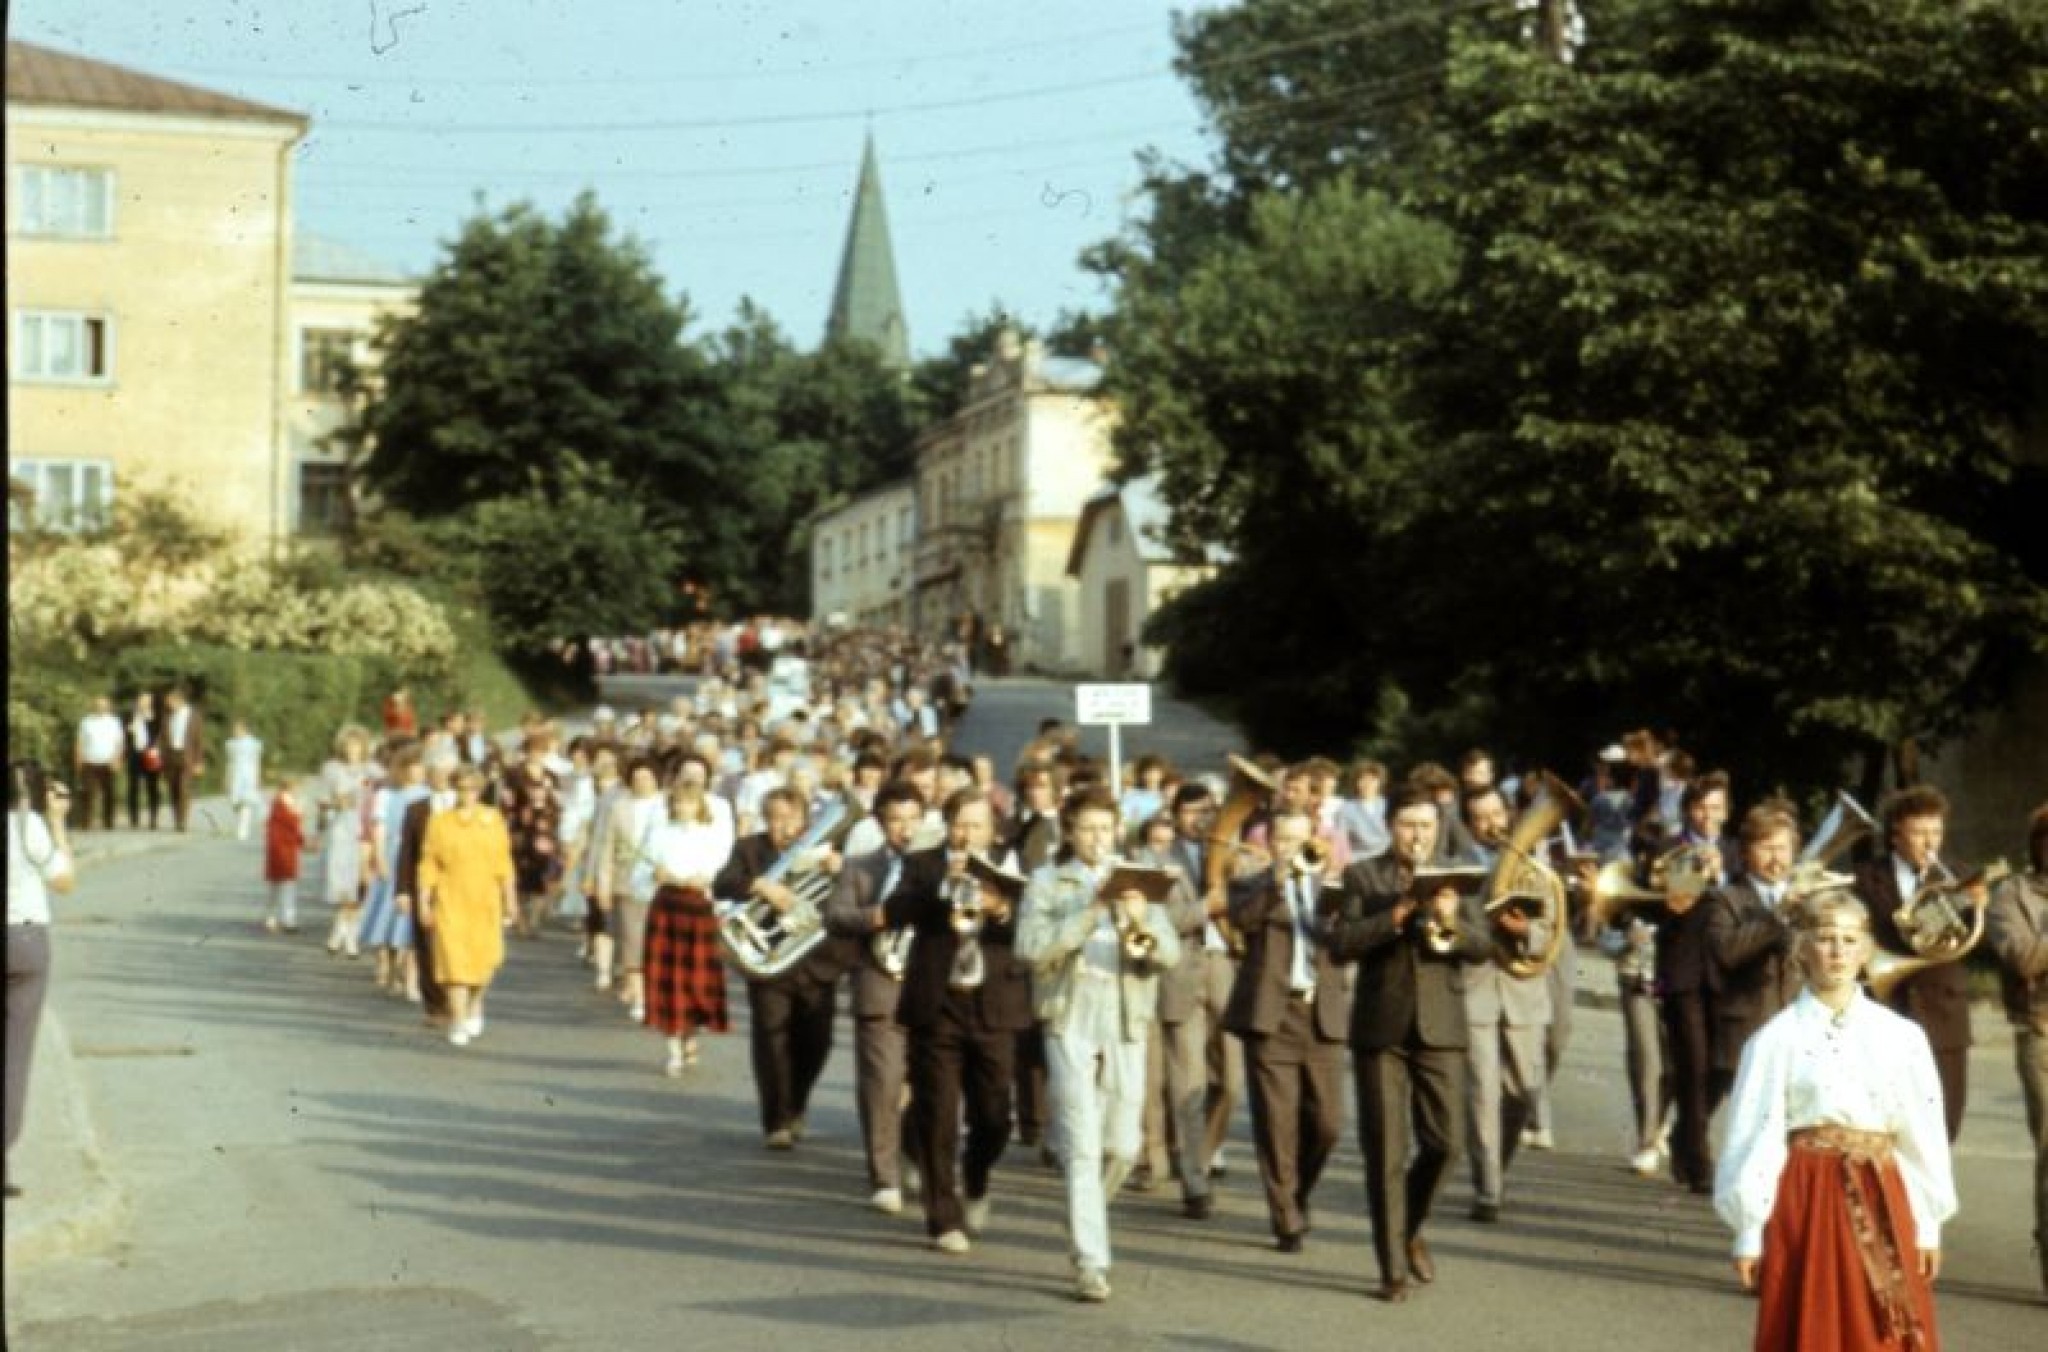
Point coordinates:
[[28, 978], [143, 782], [959, 1061], [1406, 1094], [178, 778], [1696, 1088], [1953, 1067], [791, 1037], [433, 997], [1296, 1086], [1030, 1085], [96, 786]]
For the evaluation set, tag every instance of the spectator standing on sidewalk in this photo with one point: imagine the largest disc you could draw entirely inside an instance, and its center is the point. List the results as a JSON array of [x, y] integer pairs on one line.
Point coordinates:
[[145, 762], [95, 759], [245, 776], [183, 748], [38, 863]]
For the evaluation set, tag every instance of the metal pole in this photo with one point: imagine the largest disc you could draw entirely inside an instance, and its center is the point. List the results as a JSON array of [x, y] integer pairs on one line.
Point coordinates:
[[1116, 760]]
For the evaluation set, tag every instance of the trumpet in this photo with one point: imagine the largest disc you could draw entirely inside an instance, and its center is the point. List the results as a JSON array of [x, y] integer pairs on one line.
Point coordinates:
[[1438, 937], [1313, 858], [968, 912]]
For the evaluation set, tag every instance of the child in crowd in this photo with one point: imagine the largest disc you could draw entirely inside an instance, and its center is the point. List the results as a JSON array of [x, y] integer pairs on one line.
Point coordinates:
[[245, 777], [284, 837]]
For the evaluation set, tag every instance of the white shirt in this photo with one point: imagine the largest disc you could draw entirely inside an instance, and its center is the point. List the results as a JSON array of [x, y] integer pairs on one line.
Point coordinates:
[[33, 862], [181, 717], [99, 739], [1867, 1068], [690, 849]]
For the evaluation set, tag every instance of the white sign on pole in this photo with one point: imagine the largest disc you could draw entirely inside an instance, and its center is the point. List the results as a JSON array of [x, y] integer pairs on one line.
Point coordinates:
[[1110, 705]]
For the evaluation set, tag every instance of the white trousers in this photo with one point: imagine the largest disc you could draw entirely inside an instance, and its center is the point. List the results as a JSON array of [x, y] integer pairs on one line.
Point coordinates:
[[1096, 1088]]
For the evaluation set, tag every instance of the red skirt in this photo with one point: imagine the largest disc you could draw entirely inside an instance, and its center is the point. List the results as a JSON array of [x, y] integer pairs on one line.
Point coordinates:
[[1820, 1289], [685, 977]]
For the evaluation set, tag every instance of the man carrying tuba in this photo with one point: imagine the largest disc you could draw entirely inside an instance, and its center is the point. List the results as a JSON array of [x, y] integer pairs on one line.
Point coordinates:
[[1938, 998]]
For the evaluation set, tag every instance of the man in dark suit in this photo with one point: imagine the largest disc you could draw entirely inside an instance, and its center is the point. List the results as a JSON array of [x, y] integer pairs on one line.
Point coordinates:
[[1033, 835], [1938, 999], [1751, 972], [855, 913], [1704, 858], [183, 747], [1287, 1007], [1408, 1031], [790, 1030], [965, 997]]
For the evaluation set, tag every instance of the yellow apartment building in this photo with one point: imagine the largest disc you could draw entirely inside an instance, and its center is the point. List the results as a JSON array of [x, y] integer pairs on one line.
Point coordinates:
[[165, 326]]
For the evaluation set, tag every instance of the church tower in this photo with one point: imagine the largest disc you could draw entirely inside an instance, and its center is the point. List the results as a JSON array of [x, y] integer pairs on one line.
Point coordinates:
[[866, 303]]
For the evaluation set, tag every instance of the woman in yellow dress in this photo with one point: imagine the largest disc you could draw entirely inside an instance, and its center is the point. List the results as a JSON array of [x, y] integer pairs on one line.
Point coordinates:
[[468, 897]]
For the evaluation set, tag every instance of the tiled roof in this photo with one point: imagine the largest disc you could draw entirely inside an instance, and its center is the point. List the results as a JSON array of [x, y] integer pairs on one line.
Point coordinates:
[[42, 76], [316, 258]]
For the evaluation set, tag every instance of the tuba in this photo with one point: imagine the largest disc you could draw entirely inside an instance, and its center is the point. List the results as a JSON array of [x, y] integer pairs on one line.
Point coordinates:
[[1250, 787], [763, 942], [1941, 924], [1522, 880]]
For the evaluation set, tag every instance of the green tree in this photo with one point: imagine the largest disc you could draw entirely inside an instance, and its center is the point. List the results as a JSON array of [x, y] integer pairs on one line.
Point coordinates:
[[1720, 424]]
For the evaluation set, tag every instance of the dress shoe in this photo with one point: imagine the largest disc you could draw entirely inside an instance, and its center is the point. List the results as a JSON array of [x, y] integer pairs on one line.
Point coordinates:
[[796, 1128], [953, 1241], [1393, 1291], [780, 1139], [1218, 1166], [975, 1211], [1419, 1262], [888, 1201], [1092, 1286], [1140, 1179], [1486, 1213], [1198, 1208], [1289, 1243]]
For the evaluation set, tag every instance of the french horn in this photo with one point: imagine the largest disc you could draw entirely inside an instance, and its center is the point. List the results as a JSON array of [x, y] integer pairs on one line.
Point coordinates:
[[1942, 922]]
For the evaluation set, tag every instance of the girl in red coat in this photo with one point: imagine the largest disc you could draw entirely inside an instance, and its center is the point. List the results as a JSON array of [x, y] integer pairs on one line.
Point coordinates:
[[283, 839]]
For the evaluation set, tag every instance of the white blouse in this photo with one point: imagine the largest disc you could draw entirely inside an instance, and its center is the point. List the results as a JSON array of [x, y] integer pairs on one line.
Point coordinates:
[[691, 849], [1866, 1068]]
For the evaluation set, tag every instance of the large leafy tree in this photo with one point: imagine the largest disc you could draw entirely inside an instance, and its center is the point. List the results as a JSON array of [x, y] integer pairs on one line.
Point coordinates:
[[1720, 423]]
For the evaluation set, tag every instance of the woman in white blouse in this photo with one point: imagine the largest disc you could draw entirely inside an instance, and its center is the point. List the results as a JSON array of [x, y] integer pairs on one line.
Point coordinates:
[[1836, 1176], [685, 979]]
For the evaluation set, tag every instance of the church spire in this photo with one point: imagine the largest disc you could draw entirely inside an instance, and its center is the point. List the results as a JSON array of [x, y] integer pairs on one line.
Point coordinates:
[[866, 303]]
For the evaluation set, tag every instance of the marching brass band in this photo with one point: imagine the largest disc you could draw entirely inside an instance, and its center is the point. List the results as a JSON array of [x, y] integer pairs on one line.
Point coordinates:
[[1088, 985]]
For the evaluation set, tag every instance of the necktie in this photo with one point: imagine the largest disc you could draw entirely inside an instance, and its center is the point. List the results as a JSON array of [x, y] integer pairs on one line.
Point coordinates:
[[1303, 975]]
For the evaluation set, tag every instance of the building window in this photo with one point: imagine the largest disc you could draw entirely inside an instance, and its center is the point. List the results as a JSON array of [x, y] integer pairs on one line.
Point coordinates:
[[825, 558], [63, 203], [324, 357], [62, 347], [323, 497], [64, 495]]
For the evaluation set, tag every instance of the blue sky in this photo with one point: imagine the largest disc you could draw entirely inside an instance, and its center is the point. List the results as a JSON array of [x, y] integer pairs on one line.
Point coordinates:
[[725, 135]]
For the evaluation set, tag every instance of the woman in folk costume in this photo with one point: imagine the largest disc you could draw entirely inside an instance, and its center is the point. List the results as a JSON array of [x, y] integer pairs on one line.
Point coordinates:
[[1835, 1175], [467, 900], [685, 977]]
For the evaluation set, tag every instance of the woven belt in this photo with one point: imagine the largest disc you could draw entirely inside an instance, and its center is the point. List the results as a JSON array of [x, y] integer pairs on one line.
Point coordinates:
[[1871, 1223]]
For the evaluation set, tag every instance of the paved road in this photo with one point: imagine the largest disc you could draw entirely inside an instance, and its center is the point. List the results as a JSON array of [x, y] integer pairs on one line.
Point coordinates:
[[305, 1166]]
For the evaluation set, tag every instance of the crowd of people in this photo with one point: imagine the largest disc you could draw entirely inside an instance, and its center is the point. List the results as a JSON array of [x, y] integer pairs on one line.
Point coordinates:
[[1101, 971]]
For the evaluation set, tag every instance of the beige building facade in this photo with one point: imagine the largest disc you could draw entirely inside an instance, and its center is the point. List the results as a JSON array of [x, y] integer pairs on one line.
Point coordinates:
[[1000, 486], [861, 556], [156, 310], [1124, 571], [338, 298]]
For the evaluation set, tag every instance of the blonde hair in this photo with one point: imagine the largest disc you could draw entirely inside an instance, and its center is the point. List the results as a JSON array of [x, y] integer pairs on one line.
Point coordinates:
[[1818, 911]]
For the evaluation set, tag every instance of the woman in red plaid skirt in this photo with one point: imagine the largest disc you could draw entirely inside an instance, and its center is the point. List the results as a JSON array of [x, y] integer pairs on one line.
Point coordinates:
[[685, 979]]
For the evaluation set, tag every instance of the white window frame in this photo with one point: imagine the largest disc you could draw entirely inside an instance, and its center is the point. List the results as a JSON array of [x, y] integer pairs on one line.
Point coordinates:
[[33, 188], [35, 472], [355, 348], [19, 348]]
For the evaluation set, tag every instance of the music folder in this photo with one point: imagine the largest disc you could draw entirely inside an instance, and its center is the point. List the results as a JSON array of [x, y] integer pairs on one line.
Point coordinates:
[[1155, 883], [1467, 879], [996, 878]]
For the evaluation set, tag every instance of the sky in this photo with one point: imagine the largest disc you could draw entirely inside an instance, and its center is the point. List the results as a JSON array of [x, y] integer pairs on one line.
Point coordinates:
[[726, 136]]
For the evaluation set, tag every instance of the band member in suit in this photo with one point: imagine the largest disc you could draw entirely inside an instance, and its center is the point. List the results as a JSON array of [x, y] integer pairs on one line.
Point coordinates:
[[1287, 1008], [1749, 939], [1177, 1060], [965, 996], [790, 1028], [855, 912], [1685, 986], [1194, 813], [1938, 999], [183, 748], [1034, 837], [1506, 1016], [1408, 1031], [2016, 933], [1095, 961]]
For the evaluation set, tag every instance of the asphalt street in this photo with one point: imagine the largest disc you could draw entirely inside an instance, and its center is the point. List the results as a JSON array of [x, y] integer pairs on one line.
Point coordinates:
[[303, 1165]]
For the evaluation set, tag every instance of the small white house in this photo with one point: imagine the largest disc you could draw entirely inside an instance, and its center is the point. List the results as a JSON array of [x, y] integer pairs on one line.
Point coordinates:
[[1126, 571]]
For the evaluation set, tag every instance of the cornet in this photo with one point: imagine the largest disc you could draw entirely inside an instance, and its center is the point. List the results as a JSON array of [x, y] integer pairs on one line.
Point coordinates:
[[1312, 858], [1138, 941]]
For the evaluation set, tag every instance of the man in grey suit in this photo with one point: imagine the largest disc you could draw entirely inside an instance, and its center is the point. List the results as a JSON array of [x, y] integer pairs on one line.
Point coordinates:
[[1751, 972], [2016, 933], [1177, 1059], [1288, 1009], [855, 912], [1408, 1030], [1506, 1016]]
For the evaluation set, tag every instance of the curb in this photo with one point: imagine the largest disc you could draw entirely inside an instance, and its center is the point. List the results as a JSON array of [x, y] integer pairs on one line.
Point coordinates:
[[72, 1203]]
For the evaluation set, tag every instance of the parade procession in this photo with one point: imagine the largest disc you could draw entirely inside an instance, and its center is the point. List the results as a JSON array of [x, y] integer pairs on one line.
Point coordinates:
[[1199, 674]]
